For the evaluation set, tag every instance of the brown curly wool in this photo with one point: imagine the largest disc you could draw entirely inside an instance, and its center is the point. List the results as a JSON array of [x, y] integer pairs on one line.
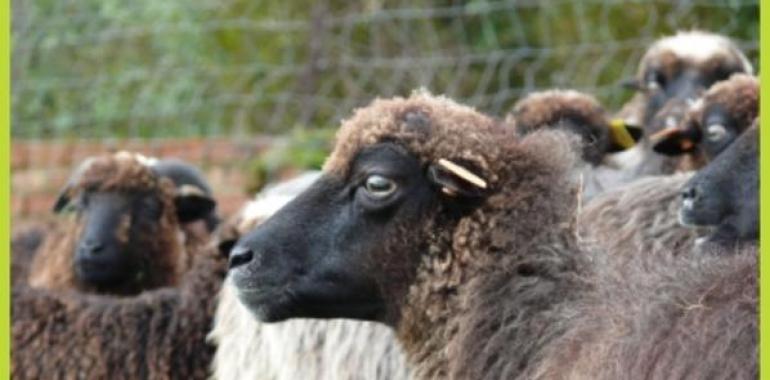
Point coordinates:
[[159, 334], [52, 266], [500, 292], [641, 216]]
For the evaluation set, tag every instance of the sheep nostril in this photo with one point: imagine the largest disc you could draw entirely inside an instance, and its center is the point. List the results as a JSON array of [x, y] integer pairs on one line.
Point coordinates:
[[240, 255], [689, 193]]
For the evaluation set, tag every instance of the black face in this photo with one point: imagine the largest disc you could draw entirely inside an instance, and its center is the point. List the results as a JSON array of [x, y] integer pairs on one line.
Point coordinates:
[[341, 248], [106, 253], [725, 193], [679, 82]]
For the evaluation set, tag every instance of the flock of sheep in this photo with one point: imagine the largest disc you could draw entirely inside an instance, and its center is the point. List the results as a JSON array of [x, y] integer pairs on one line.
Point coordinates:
[[556, 242]]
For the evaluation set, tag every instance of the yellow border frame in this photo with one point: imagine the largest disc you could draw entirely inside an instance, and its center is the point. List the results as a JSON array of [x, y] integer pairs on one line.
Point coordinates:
[[764, 188], [5, 128], [5, 187]]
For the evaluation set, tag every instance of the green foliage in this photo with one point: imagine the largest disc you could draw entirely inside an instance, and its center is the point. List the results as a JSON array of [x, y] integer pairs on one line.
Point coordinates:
[[148, 68], [302, 149]]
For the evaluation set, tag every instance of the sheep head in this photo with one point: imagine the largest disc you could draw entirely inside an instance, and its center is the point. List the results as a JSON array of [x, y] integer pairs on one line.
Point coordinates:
[[123, 233], [724, 194], [416, 188], [681, 67], [578, 113]]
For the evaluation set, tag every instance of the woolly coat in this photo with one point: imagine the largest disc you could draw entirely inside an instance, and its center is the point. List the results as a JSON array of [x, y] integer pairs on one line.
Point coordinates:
[[159, 334], [498, 293], [300, 348], [642, 216]]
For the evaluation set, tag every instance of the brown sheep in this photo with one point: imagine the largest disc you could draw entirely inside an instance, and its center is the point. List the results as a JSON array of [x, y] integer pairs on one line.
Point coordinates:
[[150, 324], [124, 236], [445, 225]]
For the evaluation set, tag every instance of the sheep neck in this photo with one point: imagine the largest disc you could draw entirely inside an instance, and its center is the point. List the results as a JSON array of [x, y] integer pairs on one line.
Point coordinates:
[[534, 264]]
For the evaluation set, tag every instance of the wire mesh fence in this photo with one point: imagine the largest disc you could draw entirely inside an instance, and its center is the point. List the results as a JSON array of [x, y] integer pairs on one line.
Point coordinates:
[[110, 70]]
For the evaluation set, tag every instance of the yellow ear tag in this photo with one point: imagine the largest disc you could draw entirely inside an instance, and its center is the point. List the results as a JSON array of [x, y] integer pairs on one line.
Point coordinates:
[[619, 134]]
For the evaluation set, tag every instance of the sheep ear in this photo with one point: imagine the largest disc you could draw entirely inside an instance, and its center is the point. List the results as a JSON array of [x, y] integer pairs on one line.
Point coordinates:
[[674, 141], [455, 180], [62, 201], [623, 135], [192, 203], [65, 195]]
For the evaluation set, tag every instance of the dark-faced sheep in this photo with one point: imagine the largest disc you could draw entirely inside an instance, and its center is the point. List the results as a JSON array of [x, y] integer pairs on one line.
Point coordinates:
[[582, 115], [445, 225], [125, 233], [121, 291], [725, 194], [673, 73], [297, 349], [714, 121]]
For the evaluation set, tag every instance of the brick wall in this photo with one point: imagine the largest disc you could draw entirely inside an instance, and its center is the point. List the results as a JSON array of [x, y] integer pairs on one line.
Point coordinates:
[[40, 168]]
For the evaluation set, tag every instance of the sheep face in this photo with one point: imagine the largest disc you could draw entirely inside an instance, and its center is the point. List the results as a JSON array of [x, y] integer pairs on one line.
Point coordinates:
[[724, 194], [683, 66], [714, 121], [107, 253], [124, 234], [316, 257]]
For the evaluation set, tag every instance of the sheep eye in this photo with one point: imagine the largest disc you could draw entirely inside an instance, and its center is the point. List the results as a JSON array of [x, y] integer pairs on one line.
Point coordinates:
[[378, 186], [716, 132]]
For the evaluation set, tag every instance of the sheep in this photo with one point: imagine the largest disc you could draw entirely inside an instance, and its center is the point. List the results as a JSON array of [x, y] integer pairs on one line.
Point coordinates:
[[443, 224], [583, 115], [673, 72], [644, 213], [724, 194], [157, 334], [154, 327], [124, 236], [301, 349]]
